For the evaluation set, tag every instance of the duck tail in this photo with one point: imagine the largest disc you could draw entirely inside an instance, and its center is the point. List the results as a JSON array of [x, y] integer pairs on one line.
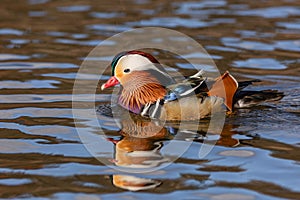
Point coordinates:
[[244, 99], [225, 87]]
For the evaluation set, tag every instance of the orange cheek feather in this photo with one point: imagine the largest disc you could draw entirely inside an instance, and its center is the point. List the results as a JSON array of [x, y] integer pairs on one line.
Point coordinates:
[[119, 73]]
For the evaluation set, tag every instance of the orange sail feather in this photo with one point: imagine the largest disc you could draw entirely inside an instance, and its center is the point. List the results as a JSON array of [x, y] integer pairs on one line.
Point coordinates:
[[225, 87]]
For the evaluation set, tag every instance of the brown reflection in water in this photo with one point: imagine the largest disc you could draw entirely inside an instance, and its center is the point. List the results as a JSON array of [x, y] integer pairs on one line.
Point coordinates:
[[278, 149], [47, 186], [134, 183], [140, 148], [39, 161], [263, 188], [61, 104], [16, 134], [34, 121], [143, 139]]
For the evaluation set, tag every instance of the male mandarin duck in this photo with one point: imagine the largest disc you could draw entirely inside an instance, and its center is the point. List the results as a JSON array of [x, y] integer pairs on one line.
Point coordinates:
[[148, 90]]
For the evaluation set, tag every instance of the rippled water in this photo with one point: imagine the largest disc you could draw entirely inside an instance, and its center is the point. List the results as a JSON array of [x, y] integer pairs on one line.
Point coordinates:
[[43, 44]]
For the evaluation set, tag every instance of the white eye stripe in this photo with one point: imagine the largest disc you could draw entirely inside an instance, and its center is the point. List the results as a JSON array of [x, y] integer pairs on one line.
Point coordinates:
[[136, 62]]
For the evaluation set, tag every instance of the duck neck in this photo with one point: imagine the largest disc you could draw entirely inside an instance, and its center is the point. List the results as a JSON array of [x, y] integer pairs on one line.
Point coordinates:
[[139, 91]]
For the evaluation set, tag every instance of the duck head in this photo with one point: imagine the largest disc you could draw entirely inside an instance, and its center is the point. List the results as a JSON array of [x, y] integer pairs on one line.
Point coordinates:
[[142, 78]]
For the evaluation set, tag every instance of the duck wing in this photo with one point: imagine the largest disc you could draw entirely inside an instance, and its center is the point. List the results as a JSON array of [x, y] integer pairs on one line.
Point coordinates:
[[224, 87], [195, 84]]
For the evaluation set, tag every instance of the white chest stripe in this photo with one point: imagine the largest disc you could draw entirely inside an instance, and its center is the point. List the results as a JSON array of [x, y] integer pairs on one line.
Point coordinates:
[[152, 110]]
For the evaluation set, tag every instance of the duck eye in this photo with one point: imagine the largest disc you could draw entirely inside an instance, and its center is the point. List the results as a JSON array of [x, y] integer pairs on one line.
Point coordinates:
[[127, 70]]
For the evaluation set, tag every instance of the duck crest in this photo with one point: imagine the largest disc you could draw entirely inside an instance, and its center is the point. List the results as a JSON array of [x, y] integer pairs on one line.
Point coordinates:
[[140, 89], [115, 61], [120, 55]]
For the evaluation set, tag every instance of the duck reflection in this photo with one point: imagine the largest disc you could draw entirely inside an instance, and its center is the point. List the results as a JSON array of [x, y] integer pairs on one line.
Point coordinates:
[[134, 183], [141, 141], [224, 138], [140, 144], [138, 149]]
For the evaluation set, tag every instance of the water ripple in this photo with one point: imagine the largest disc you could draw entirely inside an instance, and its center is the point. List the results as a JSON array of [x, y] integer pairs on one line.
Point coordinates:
[[35, 65], [29, 84], [171, 22], [8, 31], [271, 12], [260, 63], [76, 8]]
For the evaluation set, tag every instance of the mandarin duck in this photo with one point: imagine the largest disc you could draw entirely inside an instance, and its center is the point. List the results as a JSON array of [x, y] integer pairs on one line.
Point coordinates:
[[148, 90]]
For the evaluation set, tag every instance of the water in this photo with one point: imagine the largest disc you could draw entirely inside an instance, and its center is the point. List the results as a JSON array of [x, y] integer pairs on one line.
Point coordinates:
[[42, 156]]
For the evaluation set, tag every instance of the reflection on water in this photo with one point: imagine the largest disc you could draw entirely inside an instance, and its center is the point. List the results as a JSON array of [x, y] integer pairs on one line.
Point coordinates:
[[141, 143], [138, 149], [43, 43]]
